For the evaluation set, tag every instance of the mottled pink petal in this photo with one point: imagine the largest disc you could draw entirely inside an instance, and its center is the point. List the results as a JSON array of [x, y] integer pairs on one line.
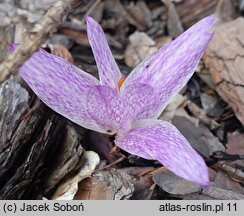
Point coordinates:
[[115, 111], [108, 70], [169, 69], [104, 106], [137, 96], [162, 141], [61, 86], [12, 47]]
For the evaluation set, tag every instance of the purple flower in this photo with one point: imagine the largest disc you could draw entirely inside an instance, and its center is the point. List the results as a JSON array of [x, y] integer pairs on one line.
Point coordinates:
[[128, 109]]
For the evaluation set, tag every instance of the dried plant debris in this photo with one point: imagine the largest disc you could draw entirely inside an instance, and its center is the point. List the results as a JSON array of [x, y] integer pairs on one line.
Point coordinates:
[[189, 12], [68, 189], [107, 185], [173, 108], [214, 193], [224, 59], [144, 185], [222, 194], [176, 186], [227, 10], [211, 105], [172, 184], [37, 5], [235, 148], [59, 50], [141, 14], [140, 47], [225, 182], [101, 143], [173, 22], [199, 137]]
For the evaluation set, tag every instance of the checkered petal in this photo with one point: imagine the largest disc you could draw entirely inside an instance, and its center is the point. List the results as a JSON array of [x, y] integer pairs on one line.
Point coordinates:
[[109, 73], [163, 142], [61, 86], [169, 69]]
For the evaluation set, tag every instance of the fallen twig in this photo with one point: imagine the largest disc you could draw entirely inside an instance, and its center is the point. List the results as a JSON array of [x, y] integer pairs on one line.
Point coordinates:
[[36, 37], [201, 115], [234, 173], [111, 164]]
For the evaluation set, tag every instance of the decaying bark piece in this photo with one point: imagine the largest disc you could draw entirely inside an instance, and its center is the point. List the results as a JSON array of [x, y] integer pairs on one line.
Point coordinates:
[[6, 29], [6, 35], [38, 148], [173, 22], [107, 185], [36, 37], [193, 10], [224, 59], [201, 115]]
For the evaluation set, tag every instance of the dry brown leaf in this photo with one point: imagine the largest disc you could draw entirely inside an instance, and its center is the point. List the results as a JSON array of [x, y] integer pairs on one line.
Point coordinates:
[[222, 194], [235, 143], [176, 108], [173, 184], [188, 190], [225, 182], [201, 139], [235, 146], [211, 104], [214, 193], [106, 185], [59, 50], [79, 37]]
